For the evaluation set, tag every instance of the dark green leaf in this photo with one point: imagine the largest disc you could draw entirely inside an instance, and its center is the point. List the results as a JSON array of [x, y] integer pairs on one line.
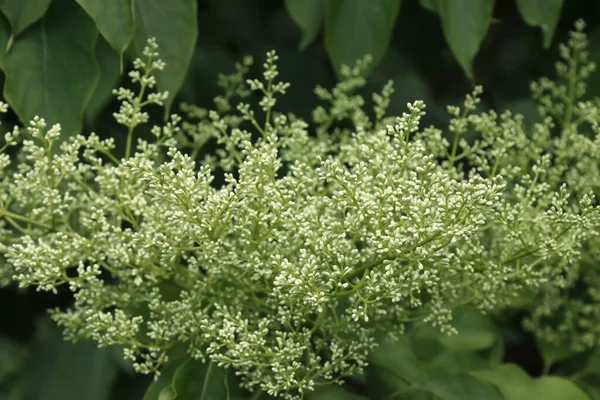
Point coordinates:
[[51, 70], [110, 75], [174, 25], [461, 361], [460, 387], [5, 37], [23, 13], [187, 379], [542, 13], [465, 24], [515, 384], [11, 355], [591, 385], [354, 28], [161, 389], [593, 86], [477, 345], [593, 362], [196, 380], [553, 352], [430, 5], [393, 367], [58, 370], [333, 392], [475, 332], [114, 19], [308, 15]]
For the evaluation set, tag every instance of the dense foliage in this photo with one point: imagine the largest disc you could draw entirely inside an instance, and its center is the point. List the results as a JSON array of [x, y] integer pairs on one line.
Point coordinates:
[[99, 36], [313, 245]]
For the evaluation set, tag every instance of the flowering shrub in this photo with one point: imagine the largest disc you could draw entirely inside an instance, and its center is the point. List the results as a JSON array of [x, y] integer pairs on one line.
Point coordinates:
[[312, 244]]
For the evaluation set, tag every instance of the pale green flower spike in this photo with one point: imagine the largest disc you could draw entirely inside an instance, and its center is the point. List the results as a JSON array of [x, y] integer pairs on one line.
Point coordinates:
[[321, 233]]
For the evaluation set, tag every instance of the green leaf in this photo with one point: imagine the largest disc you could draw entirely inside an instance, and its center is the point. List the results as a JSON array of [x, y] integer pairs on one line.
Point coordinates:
[[465, 24], [581, 365], [23, 13], [110, 75], [58, 370], [515, 384], [196, 380], [11, 356], [114, 19], [592, 366], [475, 332], [477, 345], [460, 387], [174, 25], [542, 13], [308, 15], [51, 70], [5, 37], [462, 361], [187, 379], [332, 392], [393, 367], [591, 385], [354, 28], [553, 352], [161, 388], [429, 5]]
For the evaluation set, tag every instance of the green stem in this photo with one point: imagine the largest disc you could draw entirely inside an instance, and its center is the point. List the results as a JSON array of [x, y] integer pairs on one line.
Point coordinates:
[[138, 105], [22, 218]]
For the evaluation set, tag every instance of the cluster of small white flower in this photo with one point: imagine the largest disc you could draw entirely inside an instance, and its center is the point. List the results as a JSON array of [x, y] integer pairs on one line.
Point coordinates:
[[286, 269]]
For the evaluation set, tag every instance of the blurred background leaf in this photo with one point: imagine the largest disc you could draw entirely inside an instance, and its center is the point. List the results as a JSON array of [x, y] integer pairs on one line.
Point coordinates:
[[543, 14], [308, 14], [174, 25], [51, 70], [23, 13], [114, 20], [354, 28], [59, 370], [465, 24]]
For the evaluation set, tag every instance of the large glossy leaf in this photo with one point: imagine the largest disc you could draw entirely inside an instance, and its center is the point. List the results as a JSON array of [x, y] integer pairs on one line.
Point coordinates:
[[515, 384], [51, 70], [354, 28], [110, 75], [308, 15], [23, 13], [59, 370], [174, 25], [465, 24], [459, 387], [114, 19], [542, 13]]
